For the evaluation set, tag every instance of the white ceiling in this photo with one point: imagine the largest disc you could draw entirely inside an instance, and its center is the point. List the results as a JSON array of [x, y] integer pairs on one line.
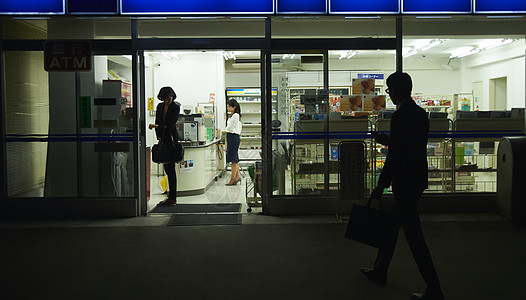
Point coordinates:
[[440, 51]]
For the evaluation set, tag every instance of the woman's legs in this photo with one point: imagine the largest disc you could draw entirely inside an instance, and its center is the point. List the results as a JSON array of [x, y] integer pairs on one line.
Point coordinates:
[[234, 177], [172, 181]]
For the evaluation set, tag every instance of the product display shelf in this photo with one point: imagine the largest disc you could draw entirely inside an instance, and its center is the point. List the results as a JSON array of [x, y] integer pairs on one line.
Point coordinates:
[[309, 164], [439, 166], [249, 100], [475, 157]]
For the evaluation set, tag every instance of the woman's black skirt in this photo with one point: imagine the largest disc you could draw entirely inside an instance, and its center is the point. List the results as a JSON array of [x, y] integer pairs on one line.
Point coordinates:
[[232, 147]]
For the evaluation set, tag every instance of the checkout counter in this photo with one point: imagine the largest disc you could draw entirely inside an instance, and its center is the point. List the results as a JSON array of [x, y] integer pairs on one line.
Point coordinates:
[[199, 169]]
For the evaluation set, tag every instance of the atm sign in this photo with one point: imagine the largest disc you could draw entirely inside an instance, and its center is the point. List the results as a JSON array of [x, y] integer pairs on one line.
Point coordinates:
[[67, 56]]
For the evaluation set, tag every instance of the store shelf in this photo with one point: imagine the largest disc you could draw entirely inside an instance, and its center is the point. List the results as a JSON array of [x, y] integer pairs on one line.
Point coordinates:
[[253, 102]]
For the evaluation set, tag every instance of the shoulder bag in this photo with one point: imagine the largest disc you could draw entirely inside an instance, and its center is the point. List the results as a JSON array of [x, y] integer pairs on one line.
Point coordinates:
[[166, 154], [371, 226]]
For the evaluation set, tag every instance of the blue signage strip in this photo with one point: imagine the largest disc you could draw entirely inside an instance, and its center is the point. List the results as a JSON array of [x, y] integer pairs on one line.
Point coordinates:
[[93, 6], [197, 7], [37, 7], [364, 7], [370, 76], [442, 6], [301, 6], [501, 6]]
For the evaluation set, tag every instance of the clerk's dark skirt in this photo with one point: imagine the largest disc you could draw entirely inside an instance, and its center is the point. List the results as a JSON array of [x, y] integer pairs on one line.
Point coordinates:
[[232, 147]]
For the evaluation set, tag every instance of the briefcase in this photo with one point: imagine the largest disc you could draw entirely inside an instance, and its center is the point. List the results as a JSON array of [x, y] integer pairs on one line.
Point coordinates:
[[166, 154], [371, 226]]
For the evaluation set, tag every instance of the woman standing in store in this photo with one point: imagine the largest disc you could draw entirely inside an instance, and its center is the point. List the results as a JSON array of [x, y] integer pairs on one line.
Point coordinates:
[[166, 131], [233, 129]]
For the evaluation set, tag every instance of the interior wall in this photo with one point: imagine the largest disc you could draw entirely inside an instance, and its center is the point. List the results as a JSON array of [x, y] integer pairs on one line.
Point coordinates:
[[507, 61], [193, 76]]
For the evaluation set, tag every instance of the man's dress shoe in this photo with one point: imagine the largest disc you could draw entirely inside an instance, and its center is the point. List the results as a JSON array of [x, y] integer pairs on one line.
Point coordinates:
[[374, 275], [427, 296]]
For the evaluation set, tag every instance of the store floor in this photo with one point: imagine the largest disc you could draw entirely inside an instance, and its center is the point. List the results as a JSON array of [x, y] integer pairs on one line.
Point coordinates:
[[217, 193]]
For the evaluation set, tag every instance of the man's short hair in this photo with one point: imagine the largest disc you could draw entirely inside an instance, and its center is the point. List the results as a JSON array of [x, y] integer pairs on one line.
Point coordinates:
[[401, 82]]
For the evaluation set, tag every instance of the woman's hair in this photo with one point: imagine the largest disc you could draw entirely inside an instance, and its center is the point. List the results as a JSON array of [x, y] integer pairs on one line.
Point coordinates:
[[166, 92], [233, 103]]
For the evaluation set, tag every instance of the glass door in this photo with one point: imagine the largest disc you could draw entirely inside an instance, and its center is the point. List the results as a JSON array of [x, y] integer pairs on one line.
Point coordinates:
[[300, 153]]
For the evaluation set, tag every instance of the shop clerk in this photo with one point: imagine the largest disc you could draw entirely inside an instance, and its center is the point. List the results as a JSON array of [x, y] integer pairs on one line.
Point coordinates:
[[233, 129]]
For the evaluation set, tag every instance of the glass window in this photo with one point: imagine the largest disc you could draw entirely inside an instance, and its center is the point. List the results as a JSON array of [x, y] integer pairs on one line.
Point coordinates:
[[471, 72], [202, 27], [294, 27], [67, 28], [30, 28], [68, 134]]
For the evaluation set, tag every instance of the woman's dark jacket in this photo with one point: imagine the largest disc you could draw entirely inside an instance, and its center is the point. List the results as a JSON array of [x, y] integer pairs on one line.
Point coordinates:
[[167, 129]]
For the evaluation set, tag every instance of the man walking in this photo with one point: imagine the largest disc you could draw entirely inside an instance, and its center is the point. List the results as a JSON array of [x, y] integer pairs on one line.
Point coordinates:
[[405, 169]]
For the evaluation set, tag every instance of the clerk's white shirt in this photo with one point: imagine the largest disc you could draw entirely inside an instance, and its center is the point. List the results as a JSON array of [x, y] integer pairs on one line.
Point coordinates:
[[233, 125]]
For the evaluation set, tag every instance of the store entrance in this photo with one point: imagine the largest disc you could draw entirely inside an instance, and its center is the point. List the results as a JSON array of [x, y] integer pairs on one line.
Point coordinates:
[[204, 80]]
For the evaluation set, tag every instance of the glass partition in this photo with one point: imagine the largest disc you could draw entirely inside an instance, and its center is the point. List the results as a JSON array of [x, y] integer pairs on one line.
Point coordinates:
[[296, 27], [69, 134], [298, 161], [468, 74], [201, 27], [66, 28]]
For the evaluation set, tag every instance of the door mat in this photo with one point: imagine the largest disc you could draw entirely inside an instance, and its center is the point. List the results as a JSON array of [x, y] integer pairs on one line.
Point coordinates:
[[204, 219], [197, 208]]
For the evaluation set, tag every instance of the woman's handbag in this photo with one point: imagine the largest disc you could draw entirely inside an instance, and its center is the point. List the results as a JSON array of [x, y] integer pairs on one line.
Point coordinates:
[[371, 226], [166, 154]]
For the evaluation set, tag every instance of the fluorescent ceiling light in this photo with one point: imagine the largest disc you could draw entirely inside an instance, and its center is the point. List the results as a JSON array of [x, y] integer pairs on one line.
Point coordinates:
[[490, 44], [433, 17], [347, 54], [302, 17], [463, 52], [229, 55], [504, 17], [169, 55], [421, 46], [484, 45], [371, 17], [197, 18]]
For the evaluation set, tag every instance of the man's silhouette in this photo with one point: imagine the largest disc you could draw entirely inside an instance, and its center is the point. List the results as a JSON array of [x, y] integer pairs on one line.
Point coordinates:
[[405, 169]]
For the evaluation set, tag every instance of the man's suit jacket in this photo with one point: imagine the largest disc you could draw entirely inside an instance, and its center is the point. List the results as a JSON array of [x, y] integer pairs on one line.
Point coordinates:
[[167, 129], [406, 162]]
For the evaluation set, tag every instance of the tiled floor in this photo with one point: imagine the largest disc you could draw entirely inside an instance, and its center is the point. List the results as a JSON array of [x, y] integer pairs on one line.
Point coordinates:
[[217, 193]]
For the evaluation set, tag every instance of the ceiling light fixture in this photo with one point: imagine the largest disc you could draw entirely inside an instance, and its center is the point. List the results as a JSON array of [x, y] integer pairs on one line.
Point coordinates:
[[229, 55], [347, 54], [421, 46], [490, 44], [484, 45], [464, 51]]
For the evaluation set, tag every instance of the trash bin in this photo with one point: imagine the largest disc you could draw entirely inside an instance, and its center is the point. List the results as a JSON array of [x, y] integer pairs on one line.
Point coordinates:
[[511, 178]]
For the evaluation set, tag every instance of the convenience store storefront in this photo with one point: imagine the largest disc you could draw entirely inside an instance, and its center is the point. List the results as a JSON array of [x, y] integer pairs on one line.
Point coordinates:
[[46, 149]]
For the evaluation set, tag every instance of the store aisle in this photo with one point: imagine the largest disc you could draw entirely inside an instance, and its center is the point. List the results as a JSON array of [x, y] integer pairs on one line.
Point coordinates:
[[218, 193]]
